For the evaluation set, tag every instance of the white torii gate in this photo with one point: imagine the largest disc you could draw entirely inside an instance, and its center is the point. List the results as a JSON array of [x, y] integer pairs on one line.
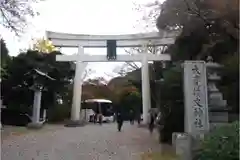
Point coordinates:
[[133, 40]]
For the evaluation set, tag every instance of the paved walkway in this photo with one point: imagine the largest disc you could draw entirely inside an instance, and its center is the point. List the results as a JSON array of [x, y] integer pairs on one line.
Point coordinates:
[[92, 142]]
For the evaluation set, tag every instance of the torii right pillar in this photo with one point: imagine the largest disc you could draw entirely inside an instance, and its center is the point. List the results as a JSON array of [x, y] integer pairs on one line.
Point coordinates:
[[146, 96]]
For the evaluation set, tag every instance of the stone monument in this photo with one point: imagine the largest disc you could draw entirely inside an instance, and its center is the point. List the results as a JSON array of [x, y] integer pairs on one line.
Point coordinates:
[[218, 113], [204, 103], [37, 87], [196, 120], [196, 97]]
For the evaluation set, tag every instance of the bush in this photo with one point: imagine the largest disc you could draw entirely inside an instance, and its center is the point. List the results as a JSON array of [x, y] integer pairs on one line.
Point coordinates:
[[174, 122], [172, 87], [14, 117], [58, 113], [221, 144]]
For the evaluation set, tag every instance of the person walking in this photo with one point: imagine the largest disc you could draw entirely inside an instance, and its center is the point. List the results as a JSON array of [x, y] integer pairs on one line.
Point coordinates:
[[139, 120], [119, 121], [95, 118], [100, 118], [131, 117], [114, 117], [151, 123]]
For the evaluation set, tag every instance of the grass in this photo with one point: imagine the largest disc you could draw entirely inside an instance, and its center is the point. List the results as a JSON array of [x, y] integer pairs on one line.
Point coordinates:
[[159, 156]]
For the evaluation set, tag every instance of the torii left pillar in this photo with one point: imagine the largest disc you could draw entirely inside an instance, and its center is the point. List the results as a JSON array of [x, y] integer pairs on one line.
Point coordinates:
[[77, 93]]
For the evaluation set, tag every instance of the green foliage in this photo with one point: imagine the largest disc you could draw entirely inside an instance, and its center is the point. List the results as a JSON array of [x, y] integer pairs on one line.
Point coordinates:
[[5, 58], [221, 144], [4, 53], [208, 28], [59, 113], [130, 100], [19, 79], [172, 106], [170, 97], [230, 82]]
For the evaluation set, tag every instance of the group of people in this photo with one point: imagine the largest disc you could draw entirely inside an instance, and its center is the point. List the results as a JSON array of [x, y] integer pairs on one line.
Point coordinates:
[[151, 124], [119, 118]]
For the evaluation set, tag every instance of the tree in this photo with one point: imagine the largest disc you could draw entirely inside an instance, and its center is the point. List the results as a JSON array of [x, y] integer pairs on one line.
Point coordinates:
[[132, 71], [208, 29], [130, 99], [14, 13], [211, 28], [229, 84], [87, 72], [44, 46], [149, 12], [172, 102], [16, 86], [98, 88], [5, 58]]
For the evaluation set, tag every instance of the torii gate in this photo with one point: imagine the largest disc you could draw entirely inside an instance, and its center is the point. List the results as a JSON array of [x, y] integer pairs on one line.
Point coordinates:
[[111, 42]]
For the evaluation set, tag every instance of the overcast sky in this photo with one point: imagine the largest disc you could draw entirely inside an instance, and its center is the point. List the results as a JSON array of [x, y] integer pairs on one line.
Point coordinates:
[[84, 17]]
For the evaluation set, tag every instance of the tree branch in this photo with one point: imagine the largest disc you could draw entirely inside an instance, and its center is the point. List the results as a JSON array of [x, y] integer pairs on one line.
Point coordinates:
[[12, 27]]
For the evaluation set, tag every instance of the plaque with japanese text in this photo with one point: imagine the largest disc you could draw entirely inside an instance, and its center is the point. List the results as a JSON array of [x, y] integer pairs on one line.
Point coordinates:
[[195, 94]]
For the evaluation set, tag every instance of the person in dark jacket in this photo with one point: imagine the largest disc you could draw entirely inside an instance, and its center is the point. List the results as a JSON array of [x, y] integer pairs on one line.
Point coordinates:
[[100, 118], [139, 118], [119, 121], [131, 117], [152, 121], [95, 118]]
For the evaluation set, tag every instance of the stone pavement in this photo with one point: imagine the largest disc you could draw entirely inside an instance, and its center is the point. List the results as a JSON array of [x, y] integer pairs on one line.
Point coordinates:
[[92, 142]]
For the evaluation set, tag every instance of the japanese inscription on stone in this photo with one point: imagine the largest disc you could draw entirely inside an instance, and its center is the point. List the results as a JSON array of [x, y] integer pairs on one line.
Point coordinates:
[[195, 91]]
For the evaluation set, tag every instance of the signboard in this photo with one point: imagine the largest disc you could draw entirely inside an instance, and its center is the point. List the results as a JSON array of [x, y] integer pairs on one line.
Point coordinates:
[[195, 94], [111, 49]]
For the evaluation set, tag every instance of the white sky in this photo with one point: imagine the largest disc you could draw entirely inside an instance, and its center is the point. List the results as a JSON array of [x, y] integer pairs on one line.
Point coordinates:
[[81, 16]]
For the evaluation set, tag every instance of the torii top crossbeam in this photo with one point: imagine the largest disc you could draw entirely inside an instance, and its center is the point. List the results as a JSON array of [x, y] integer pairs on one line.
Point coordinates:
[[127, 40]]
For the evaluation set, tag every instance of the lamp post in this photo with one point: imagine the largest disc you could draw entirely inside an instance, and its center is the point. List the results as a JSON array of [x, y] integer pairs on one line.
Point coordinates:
[[38, 87]]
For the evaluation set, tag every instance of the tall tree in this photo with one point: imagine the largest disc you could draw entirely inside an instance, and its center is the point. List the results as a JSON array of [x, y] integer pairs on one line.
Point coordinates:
[[208, 28], [14, 13], [211, 28], [5, 58], [132, 71], [16, 87]]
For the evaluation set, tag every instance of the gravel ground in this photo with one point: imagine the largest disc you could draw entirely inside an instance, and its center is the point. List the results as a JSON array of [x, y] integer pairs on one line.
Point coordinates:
[[92, 142]]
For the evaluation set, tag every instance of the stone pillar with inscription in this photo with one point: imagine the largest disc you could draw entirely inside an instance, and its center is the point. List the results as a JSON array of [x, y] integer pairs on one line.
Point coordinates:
[[196, 97], [196, 120], [218, 113]]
